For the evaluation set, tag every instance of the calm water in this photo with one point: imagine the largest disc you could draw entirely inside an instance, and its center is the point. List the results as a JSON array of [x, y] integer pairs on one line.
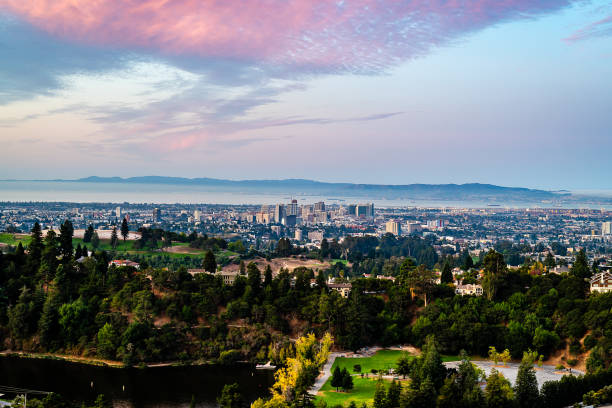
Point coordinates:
[[150, 387], [165, 193]]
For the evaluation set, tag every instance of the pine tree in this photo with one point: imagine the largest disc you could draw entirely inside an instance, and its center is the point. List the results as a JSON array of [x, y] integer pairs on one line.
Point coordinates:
[[581, 268], [114, 239], [209, 263], [447, 273], [95, 240], [380, 395], [393, 394], [498, 392], [347, 380], [88, 233], [268, 275], [65, 240], [526, 388], [125, 229], [336, 380], [35, 248]]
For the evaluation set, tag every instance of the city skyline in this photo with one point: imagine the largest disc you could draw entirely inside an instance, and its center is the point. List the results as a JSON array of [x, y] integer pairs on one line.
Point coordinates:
[[514, 93]]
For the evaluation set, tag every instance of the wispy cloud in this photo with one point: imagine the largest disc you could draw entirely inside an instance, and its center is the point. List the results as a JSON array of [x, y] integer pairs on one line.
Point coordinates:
[[327, 35], [599, 28]]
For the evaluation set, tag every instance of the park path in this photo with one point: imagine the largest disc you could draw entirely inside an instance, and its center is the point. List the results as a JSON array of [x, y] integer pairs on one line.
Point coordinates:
[[322, 379]]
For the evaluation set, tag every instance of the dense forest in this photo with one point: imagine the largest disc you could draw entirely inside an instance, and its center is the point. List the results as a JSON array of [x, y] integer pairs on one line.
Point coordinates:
[[51, 302]]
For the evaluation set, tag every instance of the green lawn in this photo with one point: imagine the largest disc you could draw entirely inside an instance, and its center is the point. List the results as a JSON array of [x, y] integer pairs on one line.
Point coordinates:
[[363, 392], [364, 388], [382, 360], [13, 239]]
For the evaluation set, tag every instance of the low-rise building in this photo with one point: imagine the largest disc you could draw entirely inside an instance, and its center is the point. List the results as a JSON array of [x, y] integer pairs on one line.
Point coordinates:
[[469, 289], [124, 262], [601, 282], [343, 288]]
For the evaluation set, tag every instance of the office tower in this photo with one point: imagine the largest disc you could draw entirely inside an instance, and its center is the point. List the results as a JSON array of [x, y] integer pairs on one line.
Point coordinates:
[[156, 214], [606, 228], [298, 234], [292, 208], [118, 212], [196, 215], [279, 213], [393, 227], [320, 206]]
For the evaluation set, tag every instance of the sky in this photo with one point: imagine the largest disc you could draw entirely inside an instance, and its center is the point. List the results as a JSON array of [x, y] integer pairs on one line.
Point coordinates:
[[508, 92]]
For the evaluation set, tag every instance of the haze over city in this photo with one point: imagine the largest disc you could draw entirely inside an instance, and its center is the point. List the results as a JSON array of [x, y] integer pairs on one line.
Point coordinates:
[[514, 93]]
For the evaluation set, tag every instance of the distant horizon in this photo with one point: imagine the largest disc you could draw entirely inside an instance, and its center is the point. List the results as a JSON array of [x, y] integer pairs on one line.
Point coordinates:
[[325, 181]]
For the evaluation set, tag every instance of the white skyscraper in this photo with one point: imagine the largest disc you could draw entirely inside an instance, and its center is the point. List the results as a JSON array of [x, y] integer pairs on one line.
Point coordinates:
[[606, 228], [118, 212]]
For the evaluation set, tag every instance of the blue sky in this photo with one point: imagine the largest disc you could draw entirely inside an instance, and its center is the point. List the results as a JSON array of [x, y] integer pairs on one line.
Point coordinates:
[[511, 93]]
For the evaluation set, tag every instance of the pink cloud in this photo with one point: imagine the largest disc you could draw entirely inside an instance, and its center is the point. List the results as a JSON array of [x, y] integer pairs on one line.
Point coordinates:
[[595, 29], [318, 34]]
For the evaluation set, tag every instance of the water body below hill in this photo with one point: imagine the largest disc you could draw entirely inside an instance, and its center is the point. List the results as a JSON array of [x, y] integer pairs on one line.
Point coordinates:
[[163, 387], [82, 192]]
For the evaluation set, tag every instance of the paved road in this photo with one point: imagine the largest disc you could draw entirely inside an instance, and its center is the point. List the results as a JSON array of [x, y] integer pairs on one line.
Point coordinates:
[[322, 379], [546, 373]]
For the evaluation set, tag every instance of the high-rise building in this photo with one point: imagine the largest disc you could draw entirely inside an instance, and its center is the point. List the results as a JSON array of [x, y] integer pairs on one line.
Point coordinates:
[[351, 209], [393, 227], [364, 210], [196, 215], [292, 208], [279, 213], [413, 227], [118, 212], [298, 234], [606, 228], [320, 206], [156, 214]]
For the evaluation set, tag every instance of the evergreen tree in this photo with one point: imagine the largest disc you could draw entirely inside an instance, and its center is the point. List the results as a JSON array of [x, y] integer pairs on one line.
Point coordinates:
[[550, 260], [65, 240], [125, 229], [580, 268], [209, 263], [393, 395], [324, 248], [35, 247], [114, 239], [380, 395], [268, 276], [337, 380], [447, 273], [95, 240], [242, 268], [253, 277], [498, 392], [88, 234], [526, 387], [347, 380]]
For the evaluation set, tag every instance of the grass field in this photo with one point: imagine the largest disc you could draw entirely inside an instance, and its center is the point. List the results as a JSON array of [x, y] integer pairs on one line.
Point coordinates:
[[13, 239], [364, 388]]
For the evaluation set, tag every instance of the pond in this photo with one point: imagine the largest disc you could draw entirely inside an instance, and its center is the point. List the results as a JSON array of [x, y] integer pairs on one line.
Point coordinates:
[[167, 386]]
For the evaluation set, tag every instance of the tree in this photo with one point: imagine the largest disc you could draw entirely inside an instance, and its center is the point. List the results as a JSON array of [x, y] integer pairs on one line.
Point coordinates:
[[380, 395], [393, 394], [125, 229], [230, 396], [498, 392], [421, 280], [209, 263], [88, 233], [35, 247], [526, 387], [403, 366], [107, 341], [65, 240], [95, 240], [505, 356], [242, 268], [447, 273], [580, 268], [337, 380], [347, 380], [324, 248], [493, 354], [114, 239], [550, 260]]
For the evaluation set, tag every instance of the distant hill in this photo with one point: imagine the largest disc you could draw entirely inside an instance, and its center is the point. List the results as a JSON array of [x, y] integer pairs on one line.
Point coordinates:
[[455, 192]]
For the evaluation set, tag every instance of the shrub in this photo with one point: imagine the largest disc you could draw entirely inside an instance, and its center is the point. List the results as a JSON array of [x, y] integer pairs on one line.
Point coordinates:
[[357, 368]]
